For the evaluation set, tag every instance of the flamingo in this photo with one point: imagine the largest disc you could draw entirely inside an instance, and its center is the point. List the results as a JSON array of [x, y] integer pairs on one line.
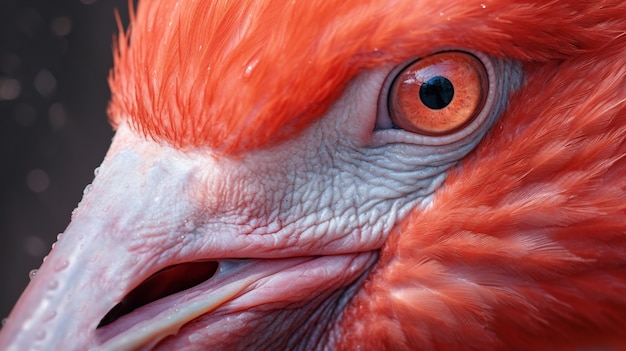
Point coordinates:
[[354, 175]]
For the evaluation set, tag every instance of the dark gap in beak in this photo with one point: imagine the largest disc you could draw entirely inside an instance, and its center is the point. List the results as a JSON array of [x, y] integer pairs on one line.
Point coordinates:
[[166, 282]]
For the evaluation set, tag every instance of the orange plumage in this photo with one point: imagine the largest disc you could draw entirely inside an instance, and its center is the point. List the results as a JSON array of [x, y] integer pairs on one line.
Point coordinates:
[[224, 83], [522, 246]]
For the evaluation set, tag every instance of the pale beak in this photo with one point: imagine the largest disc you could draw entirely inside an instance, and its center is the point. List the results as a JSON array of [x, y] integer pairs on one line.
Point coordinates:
[[110, 282]]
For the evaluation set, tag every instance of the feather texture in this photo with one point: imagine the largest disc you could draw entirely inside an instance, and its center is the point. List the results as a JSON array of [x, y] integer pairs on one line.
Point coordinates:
[[525, 244], [524, 247], [252, 73]]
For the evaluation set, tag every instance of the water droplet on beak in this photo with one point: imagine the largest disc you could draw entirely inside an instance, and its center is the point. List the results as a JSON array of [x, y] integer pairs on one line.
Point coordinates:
[[32, 274]]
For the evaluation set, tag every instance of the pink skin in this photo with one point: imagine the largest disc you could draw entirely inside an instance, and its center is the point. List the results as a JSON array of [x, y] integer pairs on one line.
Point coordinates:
[[122, 233], [152, 206], [294, 228]]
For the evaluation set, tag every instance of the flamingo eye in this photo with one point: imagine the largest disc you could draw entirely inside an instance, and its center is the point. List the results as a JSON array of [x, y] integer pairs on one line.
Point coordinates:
[[439, 94]]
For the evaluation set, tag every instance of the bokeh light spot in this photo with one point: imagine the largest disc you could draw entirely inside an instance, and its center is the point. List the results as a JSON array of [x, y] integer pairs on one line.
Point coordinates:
[[10, 89], [37, 180], [35, 246], [45, 83], [61, 26], [57, 115]]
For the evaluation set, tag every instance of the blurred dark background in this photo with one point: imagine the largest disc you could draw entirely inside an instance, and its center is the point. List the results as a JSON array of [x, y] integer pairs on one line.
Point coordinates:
[[54, 61]]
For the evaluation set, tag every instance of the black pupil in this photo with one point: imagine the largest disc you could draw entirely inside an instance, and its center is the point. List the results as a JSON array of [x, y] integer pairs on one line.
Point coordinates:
[[437, 92]]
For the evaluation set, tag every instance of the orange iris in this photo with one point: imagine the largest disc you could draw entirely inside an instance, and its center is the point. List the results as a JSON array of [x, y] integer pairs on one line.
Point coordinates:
[[439, 94]]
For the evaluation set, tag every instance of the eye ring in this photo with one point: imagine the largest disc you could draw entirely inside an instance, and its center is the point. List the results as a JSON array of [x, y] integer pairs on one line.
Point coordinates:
[[438, 94]]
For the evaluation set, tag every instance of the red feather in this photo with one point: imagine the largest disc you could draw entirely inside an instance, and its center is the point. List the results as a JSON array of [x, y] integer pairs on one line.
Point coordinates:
[[524, 247], [252, 73]]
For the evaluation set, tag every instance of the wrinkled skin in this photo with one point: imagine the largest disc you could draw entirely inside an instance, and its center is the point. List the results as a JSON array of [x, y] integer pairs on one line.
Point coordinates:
[[295, 228]]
